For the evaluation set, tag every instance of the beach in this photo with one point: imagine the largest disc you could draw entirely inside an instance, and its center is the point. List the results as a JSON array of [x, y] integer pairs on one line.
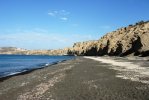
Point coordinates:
[[81, 78]]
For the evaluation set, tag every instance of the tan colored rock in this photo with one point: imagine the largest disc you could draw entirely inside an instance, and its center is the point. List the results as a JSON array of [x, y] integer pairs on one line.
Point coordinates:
[[131, 40]]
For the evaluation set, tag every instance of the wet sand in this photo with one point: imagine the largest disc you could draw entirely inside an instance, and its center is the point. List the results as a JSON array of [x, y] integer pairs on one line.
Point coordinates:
[[78, 79]]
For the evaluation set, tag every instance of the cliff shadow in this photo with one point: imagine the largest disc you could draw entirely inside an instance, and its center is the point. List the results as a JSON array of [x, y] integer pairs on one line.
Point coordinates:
[[136, 45]]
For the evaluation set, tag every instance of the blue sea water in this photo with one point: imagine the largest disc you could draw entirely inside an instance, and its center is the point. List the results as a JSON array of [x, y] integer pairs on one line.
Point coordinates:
[[14, 64]]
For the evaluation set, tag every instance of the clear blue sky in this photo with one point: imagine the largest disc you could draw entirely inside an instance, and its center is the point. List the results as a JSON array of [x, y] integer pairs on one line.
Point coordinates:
[[53, 24]]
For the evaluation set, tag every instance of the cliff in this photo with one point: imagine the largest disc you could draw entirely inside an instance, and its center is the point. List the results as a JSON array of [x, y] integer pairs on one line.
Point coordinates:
[[131, 40], [84, 48]]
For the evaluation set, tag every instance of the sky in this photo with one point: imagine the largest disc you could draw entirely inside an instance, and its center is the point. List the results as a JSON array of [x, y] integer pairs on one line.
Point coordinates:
[[54, 24]]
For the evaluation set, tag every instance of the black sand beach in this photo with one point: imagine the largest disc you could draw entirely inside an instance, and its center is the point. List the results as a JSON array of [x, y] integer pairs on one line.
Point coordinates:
[[78, 79]]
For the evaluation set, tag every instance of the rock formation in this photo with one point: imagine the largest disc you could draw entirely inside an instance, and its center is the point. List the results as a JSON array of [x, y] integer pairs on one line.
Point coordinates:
[[131, 40]]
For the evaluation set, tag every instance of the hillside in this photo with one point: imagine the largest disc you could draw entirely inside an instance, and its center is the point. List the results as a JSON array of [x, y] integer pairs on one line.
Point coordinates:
[[11, 50], [20, 51], [131, 40]]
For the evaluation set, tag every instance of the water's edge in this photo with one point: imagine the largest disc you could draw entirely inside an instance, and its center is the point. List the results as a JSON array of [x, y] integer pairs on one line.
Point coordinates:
[[26, 71]]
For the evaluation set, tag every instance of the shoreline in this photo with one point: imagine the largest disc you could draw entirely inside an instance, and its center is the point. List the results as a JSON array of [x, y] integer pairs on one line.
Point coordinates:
[[96, 58], [3, 78], [23, 72], [78, 79]]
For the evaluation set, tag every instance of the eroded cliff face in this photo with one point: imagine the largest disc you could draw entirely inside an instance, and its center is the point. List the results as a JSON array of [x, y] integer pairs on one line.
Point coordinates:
[[131, 40], [84, 48]]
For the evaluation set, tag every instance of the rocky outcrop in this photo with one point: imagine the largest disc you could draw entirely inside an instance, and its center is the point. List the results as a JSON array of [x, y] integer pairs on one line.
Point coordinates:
[[84, 48], [131, 40]]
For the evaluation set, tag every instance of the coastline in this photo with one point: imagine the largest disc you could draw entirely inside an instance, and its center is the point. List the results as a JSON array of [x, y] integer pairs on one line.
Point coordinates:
[[78, 79], [29, 70]]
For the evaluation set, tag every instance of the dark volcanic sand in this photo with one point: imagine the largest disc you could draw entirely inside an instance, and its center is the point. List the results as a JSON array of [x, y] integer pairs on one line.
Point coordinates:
[[79, 79]]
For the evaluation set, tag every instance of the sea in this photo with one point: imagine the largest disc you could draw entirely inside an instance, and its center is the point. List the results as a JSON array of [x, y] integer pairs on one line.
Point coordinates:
[[16, 64]]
